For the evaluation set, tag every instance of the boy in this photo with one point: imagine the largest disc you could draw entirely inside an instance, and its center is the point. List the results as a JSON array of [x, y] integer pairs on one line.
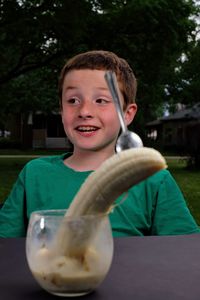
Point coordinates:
[[153, 207]]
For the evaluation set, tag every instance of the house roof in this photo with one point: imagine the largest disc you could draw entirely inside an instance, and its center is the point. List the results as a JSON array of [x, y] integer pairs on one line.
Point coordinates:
[[190, 113], [187, 113], [154, 123]]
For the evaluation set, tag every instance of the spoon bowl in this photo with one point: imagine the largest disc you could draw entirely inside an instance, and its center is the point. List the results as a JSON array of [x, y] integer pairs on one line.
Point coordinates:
[[127, 139]]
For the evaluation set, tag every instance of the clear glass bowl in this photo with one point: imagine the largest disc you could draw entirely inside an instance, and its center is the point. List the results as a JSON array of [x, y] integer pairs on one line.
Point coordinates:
[[69, 256]]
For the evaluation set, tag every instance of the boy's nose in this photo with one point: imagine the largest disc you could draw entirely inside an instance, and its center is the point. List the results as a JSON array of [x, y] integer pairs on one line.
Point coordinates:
[[86, 110]]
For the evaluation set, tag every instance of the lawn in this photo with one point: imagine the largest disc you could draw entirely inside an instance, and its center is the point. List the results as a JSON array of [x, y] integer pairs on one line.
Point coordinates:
[[9, 169], [189, 181]]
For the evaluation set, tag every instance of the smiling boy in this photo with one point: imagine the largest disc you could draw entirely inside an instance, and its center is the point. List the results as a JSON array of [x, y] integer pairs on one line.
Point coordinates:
[[88, 112], [89, 118], [154, 207]]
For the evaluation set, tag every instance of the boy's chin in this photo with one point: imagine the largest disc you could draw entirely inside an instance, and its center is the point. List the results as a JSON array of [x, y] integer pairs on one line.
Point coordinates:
[[96, 147]]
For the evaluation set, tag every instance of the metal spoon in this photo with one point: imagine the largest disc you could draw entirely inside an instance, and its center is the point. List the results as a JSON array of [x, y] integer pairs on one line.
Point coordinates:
[[126, 139]]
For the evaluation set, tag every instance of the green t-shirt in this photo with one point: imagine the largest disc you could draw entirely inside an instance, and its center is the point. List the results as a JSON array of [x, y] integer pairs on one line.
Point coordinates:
[[153, 207]]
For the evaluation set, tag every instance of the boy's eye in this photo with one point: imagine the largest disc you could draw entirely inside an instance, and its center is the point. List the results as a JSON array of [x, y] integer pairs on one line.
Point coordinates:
[[73, 101], [102, 101]]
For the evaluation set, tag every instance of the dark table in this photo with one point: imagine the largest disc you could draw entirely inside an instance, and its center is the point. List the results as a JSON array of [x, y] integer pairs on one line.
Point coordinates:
[[143, 268]]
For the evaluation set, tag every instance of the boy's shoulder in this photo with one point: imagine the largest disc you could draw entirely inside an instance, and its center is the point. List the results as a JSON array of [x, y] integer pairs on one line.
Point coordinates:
[[159, 177], [156, 181], [46, 161]]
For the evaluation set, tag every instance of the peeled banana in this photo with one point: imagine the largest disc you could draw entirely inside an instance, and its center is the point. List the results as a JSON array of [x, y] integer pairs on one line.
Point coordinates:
[[98, 193], [72, 246], [115, 176]]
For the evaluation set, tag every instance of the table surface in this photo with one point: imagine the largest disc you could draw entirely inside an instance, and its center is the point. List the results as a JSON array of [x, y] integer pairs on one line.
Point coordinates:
[[153, 268]]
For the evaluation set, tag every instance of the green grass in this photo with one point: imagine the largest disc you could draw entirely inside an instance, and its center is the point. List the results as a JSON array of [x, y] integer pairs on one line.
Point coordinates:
[[30, 152], [9, 169], [189, 181]]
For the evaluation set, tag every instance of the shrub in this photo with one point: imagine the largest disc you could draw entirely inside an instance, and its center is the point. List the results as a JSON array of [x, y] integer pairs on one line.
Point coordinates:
[[7, 143]]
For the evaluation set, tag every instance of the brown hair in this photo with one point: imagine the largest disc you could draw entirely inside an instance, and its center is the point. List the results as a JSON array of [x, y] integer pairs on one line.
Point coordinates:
[[103, 60]]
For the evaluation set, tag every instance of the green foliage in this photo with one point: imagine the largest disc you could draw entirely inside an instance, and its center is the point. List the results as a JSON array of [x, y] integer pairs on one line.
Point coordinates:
[[36, 90], [189, 77], [45, 33], [37, 36], [7, 143]]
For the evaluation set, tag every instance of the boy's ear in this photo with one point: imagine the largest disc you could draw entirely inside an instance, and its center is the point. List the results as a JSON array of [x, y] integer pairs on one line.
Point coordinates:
[[130, 113]]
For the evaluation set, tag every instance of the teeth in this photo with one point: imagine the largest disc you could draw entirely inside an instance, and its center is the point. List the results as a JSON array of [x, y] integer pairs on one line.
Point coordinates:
[[87, 128]]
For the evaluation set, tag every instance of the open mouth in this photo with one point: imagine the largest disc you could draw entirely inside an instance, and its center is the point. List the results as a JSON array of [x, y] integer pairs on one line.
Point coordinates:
[[86, 128]]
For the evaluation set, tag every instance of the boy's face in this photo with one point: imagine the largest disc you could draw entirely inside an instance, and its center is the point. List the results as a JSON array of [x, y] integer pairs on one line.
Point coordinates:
[[88, 112]]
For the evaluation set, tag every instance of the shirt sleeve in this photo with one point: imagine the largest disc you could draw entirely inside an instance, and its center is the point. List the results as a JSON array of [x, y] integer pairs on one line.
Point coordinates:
[[172, 215], [13, 221]]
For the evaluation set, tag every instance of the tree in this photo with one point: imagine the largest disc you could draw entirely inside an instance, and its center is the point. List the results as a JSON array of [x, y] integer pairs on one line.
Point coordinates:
[[187, 87], [150, 34], [42, 32], [35, 37]]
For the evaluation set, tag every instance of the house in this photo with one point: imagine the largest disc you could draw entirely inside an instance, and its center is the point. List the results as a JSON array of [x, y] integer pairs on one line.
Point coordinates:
[[38, 130], [176, 131]]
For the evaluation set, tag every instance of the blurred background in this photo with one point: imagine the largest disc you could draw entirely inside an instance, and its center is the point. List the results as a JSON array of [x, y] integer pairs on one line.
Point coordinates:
[[159, 38]]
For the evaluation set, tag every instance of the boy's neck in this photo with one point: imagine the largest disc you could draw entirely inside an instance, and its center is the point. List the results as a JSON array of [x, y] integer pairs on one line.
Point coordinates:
[[87, 160]]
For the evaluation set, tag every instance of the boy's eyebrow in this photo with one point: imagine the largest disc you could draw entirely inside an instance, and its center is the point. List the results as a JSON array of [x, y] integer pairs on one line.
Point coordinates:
[[70, 88], [74, 87]]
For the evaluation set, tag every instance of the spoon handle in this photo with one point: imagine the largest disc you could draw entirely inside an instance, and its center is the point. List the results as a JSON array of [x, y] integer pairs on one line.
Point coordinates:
[[111, 80]]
